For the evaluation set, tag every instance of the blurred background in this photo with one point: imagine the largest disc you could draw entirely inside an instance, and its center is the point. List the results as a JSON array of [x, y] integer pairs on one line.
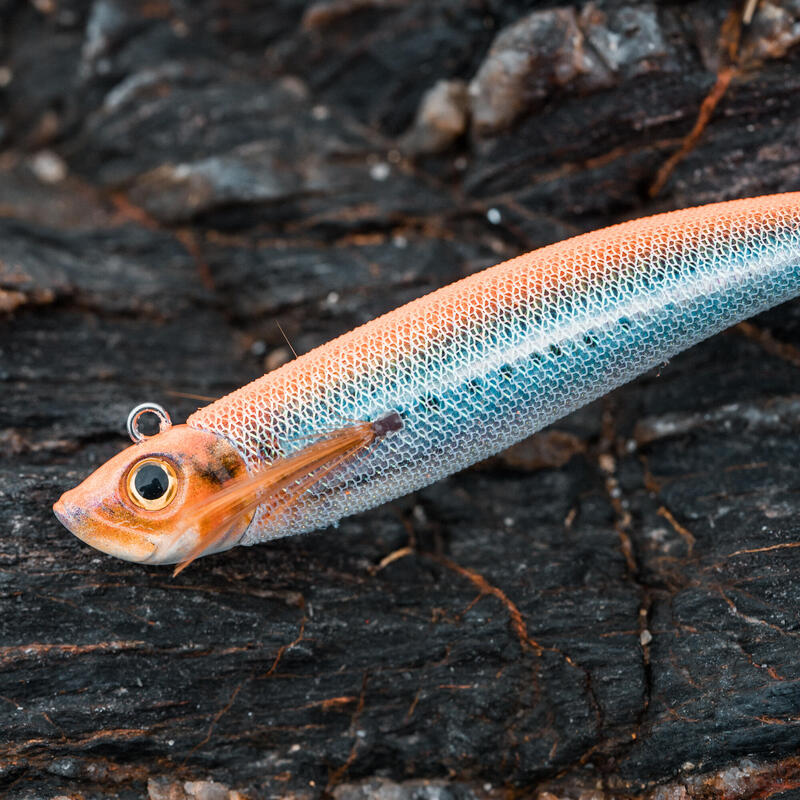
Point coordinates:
[[176, 178]]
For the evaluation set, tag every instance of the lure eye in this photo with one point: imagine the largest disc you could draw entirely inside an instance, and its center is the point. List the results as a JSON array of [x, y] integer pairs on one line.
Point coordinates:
[[152, 484]]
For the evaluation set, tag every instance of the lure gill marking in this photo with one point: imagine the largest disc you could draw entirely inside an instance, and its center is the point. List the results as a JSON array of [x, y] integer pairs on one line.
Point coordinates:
[[439, 383]]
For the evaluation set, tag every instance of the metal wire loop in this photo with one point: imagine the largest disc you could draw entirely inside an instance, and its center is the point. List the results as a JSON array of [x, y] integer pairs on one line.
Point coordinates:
[[164, 421]]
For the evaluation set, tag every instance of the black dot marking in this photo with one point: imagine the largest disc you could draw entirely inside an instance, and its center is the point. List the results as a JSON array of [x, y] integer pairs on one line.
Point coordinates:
[[389, 423], [151, 481]]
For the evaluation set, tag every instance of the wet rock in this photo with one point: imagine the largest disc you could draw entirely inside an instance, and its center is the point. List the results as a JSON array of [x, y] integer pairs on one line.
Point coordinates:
[[528, 61], [612, 604], [147, 270], [165, 789], [558, 51], [206, 790], [288, 167], [368, 57], [133, 134], [630, 40], [320, 15], [441, 119], [775, 30], [108, 22], [250, 174], [771, 416], [412, 790]]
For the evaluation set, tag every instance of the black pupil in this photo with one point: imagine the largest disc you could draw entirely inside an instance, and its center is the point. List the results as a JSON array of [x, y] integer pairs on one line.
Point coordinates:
[[151, 481]]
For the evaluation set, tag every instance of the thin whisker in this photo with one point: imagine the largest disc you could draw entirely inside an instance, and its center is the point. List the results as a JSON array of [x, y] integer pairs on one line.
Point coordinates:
[[190, 396], [283, 333]]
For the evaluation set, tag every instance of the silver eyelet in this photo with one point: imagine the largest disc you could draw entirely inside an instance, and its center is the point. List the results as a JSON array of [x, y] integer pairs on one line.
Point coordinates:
[[164, 421]]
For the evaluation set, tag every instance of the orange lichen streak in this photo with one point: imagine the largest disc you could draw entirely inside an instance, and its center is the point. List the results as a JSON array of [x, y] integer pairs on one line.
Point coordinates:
[[451, 378]]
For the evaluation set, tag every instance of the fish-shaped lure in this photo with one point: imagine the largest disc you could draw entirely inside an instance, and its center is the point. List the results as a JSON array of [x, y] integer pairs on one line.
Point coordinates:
[[439, 383]]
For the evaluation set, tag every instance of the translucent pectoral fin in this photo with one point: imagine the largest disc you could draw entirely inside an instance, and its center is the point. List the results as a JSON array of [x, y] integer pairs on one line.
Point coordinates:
[[214, 540], [224, 515]]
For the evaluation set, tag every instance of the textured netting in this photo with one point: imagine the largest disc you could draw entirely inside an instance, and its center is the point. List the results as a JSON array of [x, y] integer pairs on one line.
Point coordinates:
[[478, 365]]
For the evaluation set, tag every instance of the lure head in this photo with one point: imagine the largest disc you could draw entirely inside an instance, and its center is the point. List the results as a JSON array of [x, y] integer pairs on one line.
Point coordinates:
[[137, 505]]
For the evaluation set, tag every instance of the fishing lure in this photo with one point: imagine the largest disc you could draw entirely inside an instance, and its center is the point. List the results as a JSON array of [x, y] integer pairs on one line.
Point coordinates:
[[438, 384]]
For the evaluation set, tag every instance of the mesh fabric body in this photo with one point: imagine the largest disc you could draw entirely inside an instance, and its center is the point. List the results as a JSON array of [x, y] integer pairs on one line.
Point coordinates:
[[489, 360]]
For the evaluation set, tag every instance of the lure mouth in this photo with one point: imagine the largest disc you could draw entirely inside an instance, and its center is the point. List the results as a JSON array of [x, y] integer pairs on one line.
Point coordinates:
[[121, 541], [112, 539]]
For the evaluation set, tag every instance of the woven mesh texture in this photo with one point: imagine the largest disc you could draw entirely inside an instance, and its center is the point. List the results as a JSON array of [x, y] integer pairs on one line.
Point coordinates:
[[482, 363]]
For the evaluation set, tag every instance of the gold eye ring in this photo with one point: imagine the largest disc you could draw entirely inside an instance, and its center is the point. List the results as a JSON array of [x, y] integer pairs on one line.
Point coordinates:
[[152, 484]]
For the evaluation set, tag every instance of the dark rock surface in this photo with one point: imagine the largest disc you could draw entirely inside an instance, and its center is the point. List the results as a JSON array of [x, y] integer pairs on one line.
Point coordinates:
[[610, 610]]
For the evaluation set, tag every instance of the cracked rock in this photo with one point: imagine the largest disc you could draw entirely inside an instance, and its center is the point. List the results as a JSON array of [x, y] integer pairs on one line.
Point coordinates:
[[558, 50], [543, 52]]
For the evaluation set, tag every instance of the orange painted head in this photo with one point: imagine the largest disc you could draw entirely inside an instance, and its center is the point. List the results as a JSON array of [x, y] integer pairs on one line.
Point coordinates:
[[138, 505]]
